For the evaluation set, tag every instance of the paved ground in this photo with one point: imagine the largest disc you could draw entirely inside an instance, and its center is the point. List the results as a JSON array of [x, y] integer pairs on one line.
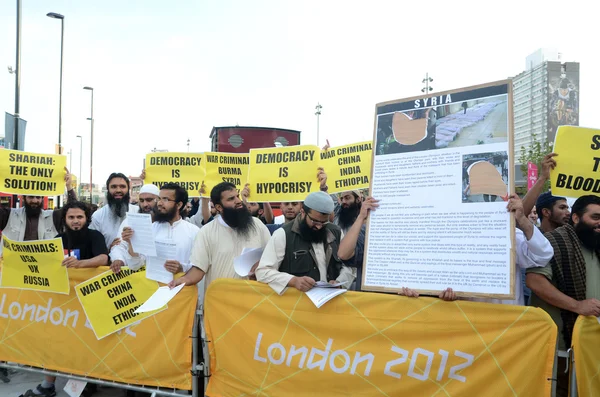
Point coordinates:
[[21, 381]]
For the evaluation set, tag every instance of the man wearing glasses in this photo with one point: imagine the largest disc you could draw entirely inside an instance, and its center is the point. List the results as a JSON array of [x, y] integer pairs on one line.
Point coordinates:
[[305, 251]]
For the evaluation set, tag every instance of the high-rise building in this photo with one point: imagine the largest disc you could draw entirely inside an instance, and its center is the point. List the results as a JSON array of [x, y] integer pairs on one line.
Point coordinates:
[[545, 95]]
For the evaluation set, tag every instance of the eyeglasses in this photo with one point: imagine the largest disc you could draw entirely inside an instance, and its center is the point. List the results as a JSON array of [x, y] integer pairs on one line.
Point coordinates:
[[316, 222], [166, 199]]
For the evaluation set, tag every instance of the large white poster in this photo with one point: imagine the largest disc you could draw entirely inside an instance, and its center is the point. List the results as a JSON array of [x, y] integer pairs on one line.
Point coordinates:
[[443, 170]]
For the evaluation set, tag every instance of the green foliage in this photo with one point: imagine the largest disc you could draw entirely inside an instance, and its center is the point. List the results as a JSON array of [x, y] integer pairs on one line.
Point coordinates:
[[535, 154]]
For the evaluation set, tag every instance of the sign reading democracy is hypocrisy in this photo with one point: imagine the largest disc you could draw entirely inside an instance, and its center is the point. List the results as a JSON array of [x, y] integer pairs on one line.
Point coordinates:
[[348, 167], [110, 299], [186, 169], [34, 265], [283, 174], [577, 171], [225, 167], [285, 346], [32, 173]]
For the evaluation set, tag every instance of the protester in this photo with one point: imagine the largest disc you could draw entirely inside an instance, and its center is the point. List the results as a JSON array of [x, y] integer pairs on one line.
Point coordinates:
[[533, 216], [262, 211], [187, 210], [570, 284], [168, 226], [108, 219], [148, 201], [305, 251], [205, 215], [220, 241], [84, 248], [31, 222], [290, 211]]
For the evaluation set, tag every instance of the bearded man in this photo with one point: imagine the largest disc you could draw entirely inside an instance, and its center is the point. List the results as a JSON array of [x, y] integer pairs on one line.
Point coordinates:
[[348, 209], [305, 251], [108, 219], [220, 241]]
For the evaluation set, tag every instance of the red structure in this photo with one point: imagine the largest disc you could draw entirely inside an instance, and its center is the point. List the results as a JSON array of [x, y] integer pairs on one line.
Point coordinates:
[[242, 139]]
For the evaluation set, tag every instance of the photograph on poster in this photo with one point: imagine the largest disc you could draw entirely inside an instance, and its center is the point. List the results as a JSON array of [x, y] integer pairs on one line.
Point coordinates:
[[485, 177], [470, 122]]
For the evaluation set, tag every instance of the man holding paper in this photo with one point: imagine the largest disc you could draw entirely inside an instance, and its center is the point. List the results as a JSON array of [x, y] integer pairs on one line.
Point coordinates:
[[305, 251], [173, 238]]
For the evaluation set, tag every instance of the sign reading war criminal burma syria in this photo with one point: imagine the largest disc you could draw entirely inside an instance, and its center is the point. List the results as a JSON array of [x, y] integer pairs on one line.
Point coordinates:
[[443, 170], [225, 167], [348, 167], [184, 168], [34, 265], [578, 163], [283, 174], [110, 299], [31, 173]]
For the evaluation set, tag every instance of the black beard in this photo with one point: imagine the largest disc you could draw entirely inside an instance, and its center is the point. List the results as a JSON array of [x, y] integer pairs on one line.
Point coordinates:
[[32, 212], [76, 237], [588, 237], [119, 207], [347, 216], [311, 235], [239, 220], [165, 217]]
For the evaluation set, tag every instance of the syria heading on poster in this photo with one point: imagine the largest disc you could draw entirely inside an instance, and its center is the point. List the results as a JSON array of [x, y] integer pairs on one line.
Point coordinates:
[[443, 170]]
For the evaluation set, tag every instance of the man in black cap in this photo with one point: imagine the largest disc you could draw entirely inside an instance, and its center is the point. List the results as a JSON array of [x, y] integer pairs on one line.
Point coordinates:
[[305, 251]]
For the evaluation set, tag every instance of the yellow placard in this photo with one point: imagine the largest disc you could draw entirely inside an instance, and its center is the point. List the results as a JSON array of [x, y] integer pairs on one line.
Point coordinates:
[[587, 355], [577, 171], [32, 174], [283, 174], [34, 265], [348, 167], [367, 344], [185, 169], [50, 331], [110, 299], [225, 167]]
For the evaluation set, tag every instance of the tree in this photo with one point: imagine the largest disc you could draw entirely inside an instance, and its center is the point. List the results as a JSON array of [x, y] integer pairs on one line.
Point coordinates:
[[535, 154]]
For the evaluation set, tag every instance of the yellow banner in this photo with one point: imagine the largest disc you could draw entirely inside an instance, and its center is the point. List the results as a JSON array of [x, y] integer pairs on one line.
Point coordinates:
[[348, 167], [32, 174], [185, 169], [587, 355], [283, 174], [225, 167], [34, 265], [366, 344], [50, 331], [578, 162], [110, 299]]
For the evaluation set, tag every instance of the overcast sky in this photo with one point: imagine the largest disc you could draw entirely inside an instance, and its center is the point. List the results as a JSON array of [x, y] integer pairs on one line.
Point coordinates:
[[165, 71]]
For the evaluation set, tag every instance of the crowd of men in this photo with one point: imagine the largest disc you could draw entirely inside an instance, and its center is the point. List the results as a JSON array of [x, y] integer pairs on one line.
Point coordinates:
[[319, 239]]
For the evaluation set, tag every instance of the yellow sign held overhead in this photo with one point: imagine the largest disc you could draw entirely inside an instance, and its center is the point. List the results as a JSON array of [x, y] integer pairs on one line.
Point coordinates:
[[225, 167], [34, 265], [577, 171], [32, 174], [283, 174], [185, 169], [348, 167], [110, 299]]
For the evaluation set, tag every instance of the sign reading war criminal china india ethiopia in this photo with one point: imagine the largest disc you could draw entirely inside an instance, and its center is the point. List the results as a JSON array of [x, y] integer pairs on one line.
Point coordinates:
[[348, 167], [32, 173]]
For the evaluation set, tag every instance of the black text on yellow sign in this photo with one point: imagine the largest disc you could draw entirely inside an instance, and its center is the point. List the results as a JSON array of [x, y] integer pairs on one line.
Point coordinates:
[[34, 265], [185, 169], [110, 299], [348, 167], [31, 173], [225, 167]]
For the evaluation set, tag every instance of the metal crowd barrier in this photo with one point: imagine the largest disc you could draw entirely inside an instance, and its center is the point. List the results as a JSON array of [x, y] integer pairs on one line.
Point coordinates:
[[200, 368]]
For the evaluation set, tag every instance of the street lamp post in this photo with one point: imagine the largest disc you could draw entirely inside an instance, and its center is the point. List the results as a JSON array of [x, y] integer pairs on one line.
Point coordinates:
[[91, 118], [318, 114], [426, 81], [62, 37], [80, 165]]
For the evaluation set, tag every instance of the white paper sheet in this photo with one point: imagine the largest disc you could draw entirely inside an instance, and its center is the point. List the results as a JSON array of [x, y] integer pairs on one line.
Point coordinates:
[[319, 296], [142, 240], [74, 388], [243, 263], [161, 297], [155, 265], [325, 284]]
